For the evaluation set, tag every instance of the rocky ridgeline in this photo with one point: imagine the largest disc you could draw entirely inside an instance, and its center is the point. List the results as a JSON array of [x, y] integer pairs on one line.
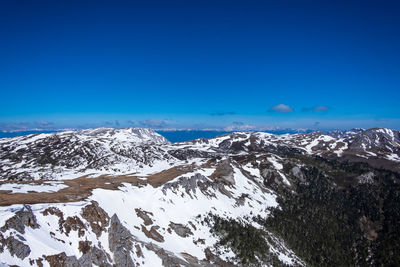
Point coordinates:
[[125, 151], [206, 202]]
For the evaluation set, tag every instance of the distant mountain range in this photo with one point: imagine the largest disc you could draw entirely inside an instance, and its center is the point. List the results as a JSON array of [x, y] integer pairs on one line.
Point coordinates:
[[173, 135], [130, 197]]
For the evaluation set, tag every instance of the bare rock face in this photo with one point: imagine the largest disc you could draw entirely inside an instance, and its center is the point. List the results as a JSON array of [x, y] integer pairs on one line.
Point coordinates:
[[189, 184], [62, 260], [18, 222], [297, 173], [99, 257], [180, 229], [153, 233], [97, 217], [185, 154], [224, 173], [168, 259], [66, 225], [215, 260], [15, 247], [120, 242], [144, 215], [271, 177], [22, 218]]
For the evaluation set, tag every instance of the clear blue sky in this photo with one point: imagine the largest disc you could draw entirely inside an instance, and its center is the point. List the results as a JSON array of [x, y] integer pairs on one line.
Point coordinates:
[[201, 64]]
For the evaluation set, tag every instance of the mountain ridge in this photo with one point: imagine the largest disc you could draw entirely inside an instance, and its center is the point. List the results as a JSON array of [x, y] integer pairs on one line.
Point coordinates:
[[128, 197]]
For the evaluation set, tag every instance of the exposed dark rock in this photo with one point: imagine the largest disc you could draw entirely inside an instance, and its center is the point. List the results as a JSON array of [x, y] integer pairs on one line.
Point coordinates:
[[169, 259], [15, 247], [152, 233], [271, 177], [215, 260], [144, 215], [225, 145], [180, 229], [66, 225], [100, 257], [185, 154], [74, 223], [224, 173], [55, 211], [139, 252], [242, 199], [120, 242], [22, 218], [189, 184], [62, 260], [84, 246], [96, 216]]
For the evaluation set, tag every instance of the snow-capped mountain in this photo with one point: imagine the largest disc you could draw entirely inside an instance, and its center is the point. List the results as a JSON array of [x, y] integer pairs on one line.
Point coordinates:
[[76, 153], [128, 197]]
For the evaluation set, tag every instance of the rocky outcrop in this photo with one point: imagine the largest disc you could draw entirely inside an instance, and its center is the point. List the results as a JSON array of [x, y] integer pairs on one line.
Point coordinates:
[[169, 259], [215, 260], [120, 242], [153, 233], [190, 184], [66, 225], [271, 177], [180, 229], [62, 260], [16, 247], [297, 173], [100, 257], [197, 181], [224, 173], [91, 256], [144, 215], [22, 218], [96, 216], [185, 154]]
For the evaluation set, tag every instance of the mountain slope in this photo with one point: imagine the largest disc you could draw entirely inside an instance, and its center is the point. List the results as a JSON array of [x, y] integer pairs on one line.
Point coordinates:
[[128, 197], [74, 154]]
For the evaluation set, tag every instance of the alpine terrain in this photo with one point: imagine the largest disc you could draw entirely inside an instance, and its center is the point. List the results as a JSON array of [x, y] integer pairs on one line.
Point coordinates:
[[128, 197]]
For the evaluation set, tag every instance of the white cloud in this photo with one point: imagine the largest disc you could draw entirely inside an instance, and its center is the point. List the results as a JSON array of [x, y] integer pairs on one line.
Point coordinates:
[[282, 108]]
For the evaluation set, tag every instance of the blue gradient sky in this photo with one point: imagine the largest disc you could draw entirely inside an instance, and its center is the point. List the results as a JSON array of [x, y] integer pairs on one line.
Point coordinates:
[[199, 64]]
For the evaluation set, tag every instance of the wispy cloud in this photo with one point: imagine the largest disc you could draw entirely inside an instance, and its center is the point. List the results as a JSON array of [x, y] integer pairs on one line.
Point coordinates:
[[112, 124], [281, 108], [151, 123], [244, 127], [223, 113], [316, 109], [45, 123], [25, 126]]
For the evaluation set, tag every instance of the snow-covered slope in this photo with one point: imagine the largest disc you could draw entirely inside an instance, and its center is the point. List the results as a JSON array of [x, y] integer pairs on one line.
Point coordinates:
[[141, 224], [69, 155], [128, 197], [378, 143], [72, 154]]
